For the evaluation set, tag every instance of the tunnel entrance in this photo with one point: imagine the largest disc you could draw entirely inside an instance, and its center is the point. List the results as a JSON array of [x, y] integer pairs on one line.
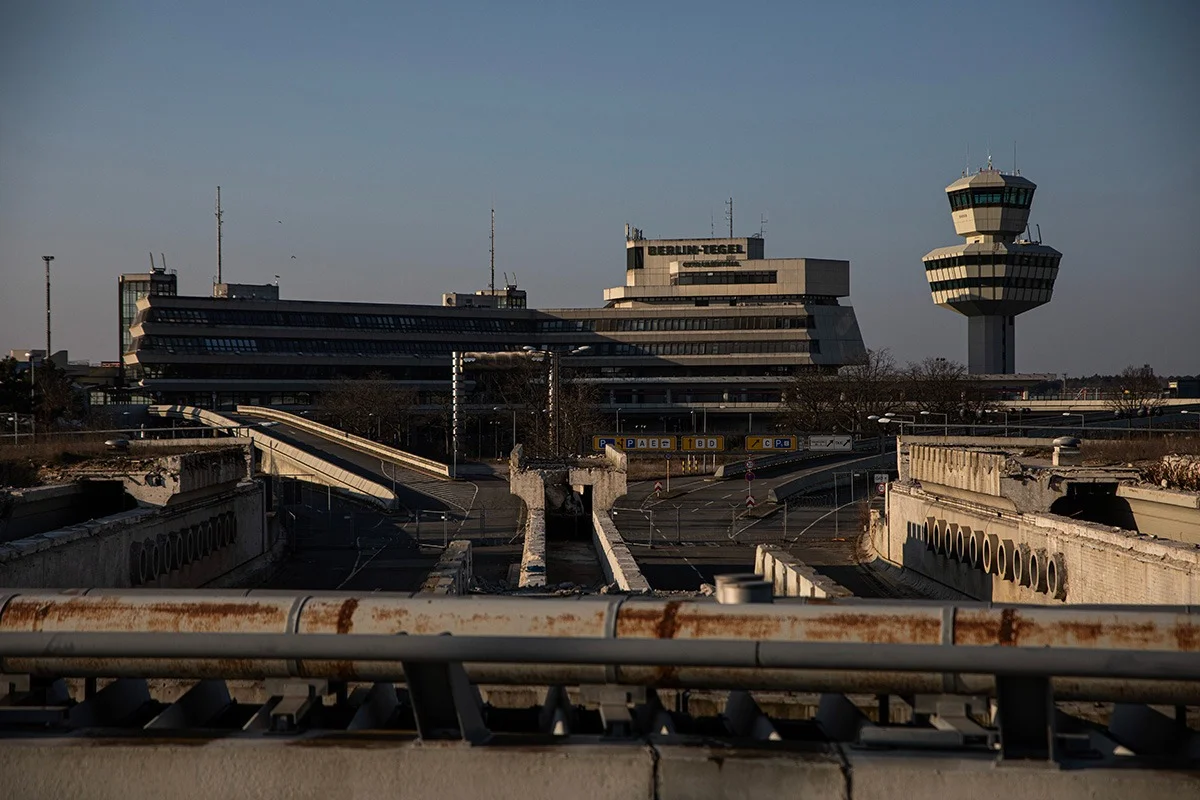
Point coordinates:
[[1095, 502], [570, 554]]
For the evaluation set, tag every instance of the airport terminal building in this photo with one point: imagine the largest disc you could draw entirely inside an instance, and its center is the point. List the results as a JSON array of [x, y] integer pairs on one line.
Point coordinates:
[[698, 324]]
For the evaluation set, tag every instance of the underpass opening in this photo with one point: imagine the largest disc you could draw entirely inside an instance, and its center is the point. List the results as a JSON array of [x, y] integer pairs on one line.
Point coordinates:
[[570, 556]]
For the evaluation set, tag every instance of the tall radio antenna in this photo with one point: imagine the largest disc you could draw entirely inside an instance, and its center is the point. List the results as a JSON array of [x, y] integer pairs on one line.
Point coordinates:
[[219, 220], [729, 216], [493, 252]]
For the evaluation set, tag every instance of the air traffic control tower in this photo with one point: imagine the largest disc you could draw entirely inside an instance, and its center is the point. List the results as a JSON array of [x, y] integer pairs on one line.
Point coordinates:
[[993, 276]]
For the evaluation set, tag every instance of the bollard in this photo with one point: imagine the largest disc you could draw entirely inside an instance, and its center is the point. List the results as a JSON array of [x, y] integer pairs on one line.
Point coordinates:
[[741, 588]]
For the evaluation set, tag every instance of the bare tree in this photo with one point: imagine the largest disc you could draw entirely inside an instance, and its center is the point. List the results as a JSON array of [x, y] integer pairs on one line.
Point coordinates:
[[374, 407], [842, 402], [943, 387], [1139, 392]]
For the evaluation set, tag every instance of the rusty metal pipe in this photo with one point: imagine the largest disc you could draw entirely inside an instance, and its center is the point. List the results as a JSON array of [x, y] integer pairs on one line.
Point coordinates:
[[716, 653]]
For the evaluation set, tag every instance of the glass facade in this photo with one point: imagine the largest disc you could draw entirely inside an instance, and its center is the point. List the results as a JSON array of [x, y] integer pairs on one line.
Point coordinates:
[[632, 324], [994, 259], [716, 278], [133, 288], [346, 321], [1008, 196], [1006, 281]]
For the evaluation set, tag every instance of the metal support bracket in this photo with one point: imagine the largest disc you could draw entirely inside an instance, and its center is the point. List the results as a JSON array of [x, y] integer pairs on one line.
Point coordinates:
[[291, 702], [614, 702], [1025, 715], [746, 719], [445, 703]]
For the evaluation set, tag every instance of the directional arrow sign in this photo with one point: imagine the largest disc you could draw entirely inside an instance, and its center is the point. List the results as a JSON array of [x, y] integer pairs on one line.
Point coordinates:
[[658, 487], [749, 501]]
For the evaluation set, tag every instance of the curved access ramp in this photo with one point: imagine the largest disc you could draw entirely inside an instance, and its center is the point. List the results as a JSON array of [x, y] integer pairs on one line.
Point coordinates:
[[281, 456]]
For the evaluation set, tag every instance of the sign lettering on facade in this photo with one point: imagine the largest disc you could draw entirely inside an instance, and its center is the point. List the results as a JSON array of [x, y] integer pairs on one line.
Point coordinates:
[[695, 249]]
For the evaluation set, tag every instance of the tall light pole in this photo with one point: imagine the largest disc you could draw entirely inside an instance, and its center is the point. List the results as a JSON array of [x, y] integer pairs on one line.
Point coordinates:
[[1082, 418], [32, 398], [48, 259], [618, 420]]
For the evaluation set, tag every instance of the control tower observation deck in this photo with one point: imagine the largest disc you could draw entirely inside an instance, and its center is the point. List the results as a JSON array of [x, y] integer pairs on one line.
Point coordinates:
[[994, 275]]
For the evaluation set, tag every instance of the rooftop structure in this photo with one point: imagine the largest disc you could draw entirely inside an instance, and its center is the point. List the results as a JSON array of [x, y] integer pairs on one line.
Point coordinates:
[[993, 276]]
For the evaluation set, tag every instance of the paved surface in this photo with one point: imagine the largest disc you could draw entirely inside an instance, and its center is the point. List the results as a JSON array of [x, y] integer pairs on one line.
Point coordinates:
[[704, 530], [339, 545]]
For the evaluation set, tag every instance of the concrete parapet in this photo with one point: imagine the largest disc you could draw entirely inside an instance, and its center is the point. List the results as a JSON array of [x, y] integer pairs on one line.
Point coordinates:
[[825, 478], [533, 554], [453, 573], [1077, 562], [791, 577], [169, 547], [392, 454], [618, 563]]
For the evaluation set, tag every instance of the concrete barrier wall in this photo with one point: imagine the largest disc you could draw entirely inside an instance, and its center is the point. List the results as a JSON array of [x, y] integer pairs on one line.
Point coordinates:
[[454, 573], [533, 555], [212, 537], [793, 578], [932, 536], [618, 563], [350, 440], [824, 479], [26, 512]]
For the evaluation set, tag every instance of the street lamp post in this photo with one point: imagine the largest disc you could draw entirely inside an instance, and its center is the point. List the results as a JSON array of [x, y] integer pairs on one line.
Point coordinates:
[[998, 411], [1082, 419], [32, 397], [618, 420], [945, 420]]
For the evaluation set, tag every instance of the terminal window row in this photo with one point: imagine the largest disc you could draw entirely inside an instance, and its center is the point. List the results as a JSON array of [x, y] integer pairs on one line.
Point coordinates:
[[716, 278], [993, 259], [631, 324], [707, 348], [309, 347], [1007, 282], [305, 319], [1011, 196], [747, 301]]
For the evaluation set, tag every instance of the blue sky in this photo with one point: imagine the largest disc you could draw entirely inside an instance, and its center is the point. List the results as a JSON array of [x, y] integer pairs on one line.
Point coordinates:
[[381, 133]]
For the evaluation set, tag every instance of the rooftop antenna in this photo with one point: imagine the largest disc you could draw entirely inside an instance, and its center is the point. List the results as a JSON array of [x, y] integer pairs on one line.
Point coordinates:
[[712, 224], [493, 251], [163, 261], [152, 267], [1015, 170], [762, 225], [219, 220], [1039, 230], [967, 169], [729, 215]]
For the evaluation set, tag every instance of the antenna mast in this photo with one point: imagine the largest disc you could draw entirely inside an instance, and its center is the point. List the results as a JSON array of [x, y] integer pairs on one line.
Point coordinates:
[[729, 216], [493, 252], [762, 225], [219, 215]]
